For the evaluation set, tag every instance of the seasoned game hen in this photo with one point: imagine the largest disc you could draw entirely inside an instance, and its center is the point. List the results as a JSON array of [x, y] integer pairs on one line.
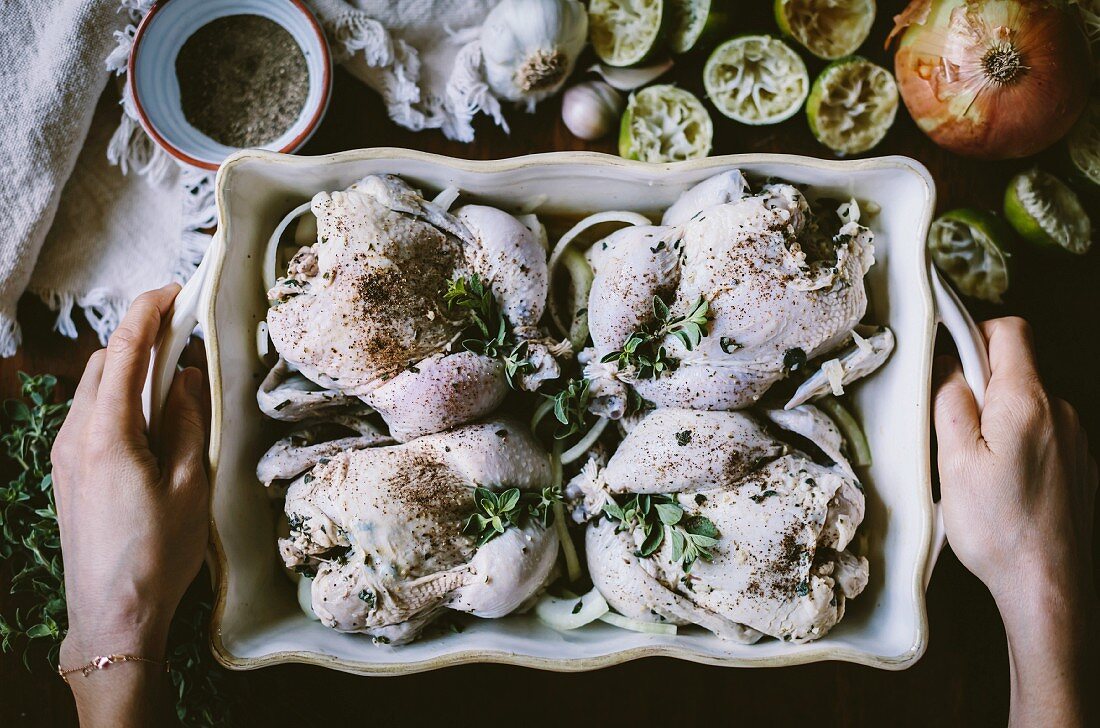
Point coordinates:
[[383, 529], [776, 525], [780, 286], [361, 312]]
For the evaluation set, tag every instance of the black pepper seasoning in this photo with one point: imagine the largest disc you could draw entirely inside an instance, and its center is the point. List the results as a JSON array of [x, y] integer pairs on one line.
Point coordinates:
[[243, 80]]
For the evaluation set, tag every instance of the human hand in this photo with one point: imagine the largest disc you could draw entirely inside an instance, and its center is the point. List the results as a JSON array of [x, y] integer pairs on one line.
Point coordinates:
[[1018, 488], [1017, 481], [133, 521]]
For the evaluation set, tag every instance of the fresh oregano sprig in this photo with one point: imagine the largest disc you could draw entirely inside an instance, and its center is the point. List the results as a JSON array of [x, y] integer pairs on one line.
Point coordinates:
[[489, 334], [30, 543], [473, 295], [494, 512], [34, 620], [570, 408], [691, 537], [643, 351]]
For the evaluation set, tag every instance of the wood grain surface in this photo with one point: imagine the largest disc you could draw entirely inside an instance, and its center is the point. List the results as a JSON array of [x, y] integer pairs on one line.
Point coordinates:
[[962, 679]]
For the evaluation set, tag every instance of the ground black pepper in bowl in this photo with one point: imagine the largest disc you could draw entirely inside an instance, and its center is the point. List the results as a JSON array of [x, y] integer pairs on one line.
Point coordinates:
[[243, 80]]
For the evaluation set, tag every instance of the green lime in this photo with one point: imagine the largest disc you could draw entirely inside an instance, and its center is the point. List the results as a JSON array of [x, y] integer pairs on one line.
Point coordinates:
[[665, 124], [827, 28], [692, 20], [852, 105], [1083, 143], [1090, 18], [971, 247], [756, 79], [626, 32], [1046, 212]]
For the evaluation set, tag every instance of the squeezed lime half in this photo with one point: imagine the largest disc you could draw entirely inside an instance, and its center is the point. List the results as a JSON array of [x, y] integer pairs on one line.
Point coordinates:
[[626, 32], [1083, 144], [756, 79], [692, 20], [665, 124], [827, 28], [1046, 212], [971, 248], [852, 105]]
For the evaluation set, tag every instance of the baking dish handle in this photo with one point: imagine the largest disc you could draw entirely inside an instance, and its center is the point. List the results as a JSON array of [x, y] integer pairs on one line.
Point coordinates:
[[171, 341], [975, 363]]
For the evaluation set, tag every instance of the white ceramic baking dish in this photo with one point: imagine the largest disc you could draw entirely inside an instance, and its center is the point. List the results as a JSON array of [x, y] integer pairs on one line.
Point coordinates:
[[257, 621]]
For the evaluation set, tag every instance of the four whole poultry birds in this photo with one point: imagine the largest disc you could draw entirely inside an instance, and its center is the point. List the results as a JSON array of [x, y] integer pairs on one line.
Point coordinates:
[[361, 326]]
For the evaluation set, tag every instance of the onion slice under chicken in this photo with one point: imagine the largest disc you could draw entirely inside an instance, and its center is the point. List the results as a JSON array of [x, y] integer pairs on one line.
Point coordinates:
[[623, 216], [271, 252], [567, 613]]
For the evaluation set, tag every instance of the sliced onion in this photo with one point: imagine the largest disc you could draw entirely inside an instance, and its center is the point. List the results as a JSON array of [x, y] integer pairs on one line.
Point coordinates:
[[835, 373], [446, 198], [271, 252], [263, 341], [305, 598], [531, 221], [630, 78], [624, 216], [580, 273], [305, 232], [568, 550], [637, 625], [571, 612], [586, 442], [853, 434], [540, 412]]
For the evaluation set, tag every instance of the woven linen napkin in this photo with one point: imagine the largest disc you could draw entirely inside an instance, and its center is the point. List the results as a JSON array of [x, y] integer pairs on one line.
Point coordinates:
[[422, 56], [51, 73], [129, 218], [116, 235]]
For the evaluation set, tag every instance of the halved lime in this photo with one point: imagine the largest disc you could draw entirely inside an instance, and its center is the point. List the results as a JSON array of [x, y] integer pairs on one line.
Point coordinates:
[[690, 21], [756, 79], [1046, 212], [1083, 143], [665, 124], [626, 32], [971, 247], [852, 105], [1090, 18], [827, 28]]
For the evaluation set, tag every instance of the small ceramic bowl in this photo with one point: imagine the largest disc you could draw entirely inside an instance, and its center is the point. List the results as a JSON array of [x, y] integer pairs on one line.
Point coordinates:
[[156, 91]]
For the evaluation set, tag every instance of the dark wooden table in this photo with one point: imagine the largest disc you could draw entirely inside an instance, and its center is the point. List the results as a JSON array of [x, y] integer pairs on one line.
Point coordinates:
[[961, 681]]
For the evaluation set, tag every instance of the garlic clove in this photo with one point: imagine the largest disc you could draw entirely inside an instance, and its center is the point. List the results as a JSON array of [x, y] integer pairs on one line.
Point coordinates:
[[628, 79], [591, 109]]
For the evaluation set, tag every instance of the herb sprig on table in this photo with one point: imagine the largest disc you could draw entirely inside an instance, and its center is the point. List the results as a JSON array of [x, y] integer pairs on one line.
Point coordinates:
[[30, 544], [691, 537], [488, 334], [643, 351], [34, 622], [494, 512]]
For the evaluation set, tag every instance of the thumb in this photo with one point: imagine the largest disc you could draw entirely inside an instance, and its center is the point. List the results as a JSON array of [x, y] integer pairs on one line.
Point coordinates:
[[958, 423], [183, 434]]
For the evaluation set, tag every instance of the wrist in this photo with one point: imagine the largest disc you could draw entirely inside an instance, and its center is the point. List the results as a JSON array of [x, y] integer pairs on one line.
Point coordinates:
[[1046, 607], [125, 632]]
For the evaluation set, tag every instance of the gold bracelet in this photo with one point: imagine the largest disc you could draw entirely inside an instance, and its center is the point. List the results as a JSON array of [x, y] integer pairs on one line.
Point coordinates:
[[102, 662]]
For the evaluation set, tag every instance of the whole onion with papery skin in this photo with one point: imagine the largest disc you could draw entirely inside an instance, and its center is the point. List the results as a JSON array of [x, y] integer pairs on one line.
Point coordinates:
[[993, 79]]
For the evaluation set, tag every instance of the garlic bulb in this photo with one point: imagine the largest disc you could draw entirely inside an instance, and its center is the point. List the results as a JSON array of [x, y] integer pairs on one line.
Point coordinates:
[[528, 47], [591, 109]]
